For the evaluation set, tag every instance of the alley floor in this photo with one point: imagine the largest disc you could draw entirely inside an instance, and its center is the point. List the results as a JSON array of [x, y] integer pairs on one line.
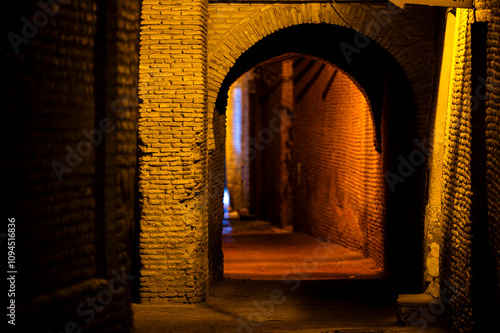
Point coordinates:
[[279, 281], [259, 251]]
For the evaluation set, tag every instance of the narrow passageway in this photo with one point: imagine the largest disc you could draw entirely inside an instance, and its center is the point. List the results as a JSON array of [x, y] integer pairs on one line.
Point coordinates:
[[301, 154], [257, 250]]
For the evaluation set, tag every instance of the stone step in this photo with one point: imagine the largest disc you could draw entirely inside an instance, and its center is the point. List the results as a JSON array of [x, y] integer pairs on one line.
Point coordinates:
[[421, 310]]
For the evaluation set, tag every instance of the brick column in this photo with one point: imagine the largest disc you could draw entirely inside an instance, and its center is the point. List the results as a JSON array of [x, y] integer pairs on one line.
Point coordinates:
[[173, 142], [286, 204]]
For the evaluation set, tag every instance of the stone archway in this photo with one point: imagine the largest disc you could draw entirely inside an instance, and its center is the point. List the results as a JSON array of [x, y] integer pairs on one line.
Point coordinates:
[[186, 63], [387, 95]]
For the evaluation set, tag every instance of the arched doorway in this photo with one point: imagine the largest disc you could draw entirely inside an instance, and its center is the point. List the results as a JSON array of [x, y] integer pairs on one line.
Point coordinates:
[[398, 244], [301, 152], [183, 86]]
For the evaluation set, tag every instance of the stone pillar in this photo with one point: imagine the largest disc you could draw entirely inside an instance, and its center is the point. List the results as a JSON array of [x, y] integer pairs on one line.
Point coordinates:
[[173, 144]]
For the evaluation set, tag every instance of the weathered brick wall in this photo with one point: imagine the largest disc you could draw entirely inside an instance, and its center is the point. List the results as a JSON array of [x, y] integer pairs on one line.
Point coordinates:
[[273, 96], [120, 195], [456, 240], [174, 162], [269, 93], [470, 192], [493, 141], [339, 189], [216, 187], [60, 90]]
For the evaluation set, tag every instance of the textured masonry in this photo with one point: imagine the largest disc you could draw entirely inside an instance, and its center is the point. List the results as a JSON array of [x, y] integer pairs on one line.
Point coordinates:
[[187, 49], [82, 67], [74, 222], [470, 192], [173, 124], [341, 191]]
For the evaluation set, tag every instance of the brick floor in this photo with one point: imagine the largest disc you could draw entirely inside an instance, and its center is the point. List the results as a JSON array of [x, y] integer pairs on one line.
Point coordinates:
[[288, 255]]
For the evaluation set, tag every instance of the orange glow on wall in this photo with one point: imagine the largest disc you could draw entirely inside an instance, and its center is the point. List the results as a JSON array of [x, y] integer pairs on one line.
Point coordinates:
[[320, 169]]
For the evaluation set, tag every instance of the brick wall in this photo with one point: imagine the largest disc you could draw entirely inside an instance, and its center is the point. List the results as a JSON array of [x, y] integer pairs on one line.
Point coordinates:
[[74, 215], [492, 143], [470, 192], [268, 161], [216, 187], [120, 156], [174, 160], [235, 27], [338, 183], [273, 99]]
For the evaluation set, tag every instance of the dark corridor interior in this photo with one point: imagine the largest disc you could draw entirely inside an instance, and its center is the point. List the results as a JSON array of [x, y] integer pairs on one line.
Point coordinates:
[[301, 154], [314, 137], [304, 154]]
